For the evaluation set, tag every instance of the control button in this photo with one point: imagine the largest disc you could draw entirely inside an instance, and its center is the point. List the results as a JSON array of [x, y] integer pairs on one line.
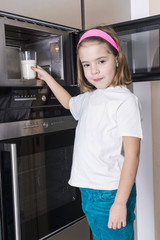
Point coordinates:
[[44, 98], [45, 124]]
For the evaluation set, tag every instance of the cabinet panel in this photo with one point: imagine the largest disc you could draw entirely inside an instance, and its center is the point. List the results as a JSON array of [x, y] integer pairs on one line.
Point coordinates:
[[106, 12], [65, 12], [154, 7]]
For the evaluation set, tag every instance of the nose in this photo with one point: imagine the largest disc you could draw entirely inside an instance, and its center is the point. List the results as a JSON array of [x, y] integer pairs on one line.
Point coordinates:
[[94, 69]]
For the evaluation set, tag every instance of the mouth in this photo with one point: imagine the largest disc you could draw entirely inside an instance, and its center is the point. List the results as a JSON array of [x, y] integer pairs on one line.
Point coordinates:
[[97, 79]]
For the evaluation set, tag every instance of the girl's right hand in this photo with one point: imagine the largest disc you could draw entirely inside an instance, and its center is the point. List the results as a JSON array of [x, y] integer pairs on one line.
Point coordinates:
[[60, 93], [41, 73]]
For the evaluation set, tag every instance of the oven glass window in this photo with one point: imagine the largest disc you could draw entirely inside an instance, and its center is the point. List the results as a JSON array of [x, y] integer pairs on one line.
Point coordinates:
[[47, 202]]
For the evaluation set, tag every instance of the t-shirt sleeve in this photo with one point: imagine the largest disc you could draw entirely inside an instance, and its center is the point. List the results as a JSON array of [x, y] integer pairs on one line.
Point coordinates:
[[76, 105], [129, 118]]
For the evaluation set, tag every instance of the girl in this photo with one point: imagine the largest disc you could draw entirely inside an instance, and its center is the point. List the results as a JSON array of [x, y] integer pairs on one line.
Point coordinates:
[[107, 142]]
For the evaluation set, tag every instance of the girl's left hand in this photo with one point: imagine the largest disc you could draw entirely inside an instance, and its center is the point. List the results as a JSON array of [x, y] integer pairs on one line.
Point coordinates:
[[117, 216]]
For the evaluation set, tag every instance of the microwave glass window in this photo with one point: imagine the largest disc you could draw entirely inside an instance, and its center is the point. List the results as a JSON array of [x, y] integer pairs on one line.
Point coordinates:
[[47, 45], [13, 62], [142, 50], [56, 59]]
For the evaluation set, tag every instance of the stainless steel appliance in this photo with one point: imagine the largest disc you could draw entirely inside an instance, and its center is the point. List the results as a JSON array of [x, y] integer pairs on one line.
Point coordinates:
[[35, 156], [56, 47], [53, 43], [37, 135], [140, 40]]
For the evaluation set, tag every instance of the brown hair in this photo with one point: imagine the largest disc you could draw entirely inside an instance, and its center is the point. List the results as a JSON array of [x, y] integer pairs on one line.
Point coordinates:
[[122, 76]]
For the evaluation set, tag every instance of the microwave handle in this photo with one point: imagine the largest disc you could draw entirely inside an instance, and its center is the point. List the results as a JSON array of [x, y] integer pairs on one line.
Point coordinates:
[[12, 148]]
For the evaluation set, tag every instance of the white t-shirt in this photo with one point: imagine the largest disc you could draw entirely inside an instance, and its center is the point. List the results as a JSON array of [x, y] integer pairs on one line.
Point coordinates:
[[104, 116]]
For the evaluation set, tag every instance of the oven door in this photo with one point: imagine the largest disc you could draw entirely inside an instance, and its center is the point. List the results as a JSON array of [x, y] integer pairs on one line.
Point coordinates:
[[37, 201]]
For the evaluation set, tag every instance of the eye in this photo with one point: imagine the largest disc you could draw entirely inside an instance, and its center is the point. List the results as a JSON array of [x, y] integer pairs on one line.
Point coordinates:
[[85, 65], [102, 61]]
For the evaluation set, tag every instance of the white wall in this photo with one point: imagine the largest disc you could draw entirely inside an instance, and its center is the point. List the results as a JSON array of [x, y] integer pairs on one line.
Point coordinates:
[[139, 8], [154, 9], [145, 179]]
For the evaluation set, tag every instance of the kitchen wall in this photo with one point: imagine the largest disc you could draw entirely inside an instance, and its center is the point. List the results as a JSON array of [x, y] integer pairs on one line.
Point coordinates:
[[144, 180], [148, 210], [155, 93], [154, 8]]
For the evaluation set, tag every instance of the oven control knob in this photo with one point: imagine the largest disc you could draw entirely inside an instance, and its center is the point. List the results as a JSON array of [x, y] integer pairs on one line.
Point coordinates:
[[45, 124], [44, 98]]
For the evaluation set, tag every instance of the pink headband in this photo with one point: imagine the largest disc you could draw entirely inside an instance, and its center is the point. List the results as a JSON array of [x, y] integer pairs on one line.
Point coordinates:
[[101, 34]]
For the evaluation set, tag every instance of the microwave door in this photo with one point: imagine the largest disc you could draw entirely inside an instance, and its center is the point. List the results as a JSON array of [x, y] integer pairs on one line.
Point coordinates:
[[53, 44], [140, 40], [74, 38]]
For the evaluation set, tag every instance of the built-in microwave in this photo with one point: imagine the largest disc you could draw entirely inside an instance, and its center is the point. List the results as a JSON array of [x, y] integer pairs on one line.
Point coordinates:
[[140, 40], [53, 43], [56, 48]]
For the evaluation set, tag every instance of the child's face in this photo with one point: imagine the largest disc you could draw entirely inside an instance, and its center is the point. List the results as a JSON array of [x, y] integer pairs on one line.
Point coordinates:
[[99, 64]]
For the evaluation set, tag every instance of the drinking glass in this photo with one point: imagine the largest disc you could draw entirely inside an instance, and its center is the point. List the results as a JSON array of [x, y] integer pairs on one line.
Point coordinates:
[[28, 58]]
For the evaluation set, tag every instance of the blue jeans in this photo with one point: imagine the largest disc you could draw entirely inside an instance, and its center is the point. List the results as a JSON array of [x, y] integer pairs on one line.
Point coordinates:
[[96, 205]]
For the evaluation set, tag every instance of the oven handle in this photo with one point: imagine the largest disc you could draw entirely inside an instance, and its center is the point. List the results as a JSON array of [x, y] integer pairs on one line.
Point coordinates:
[[15, 191], [12, 148]]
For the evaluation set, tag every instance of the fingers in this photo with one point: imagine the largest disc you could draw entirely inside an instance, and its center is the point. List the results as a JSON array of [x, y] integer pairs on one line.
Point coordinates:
[[124, 223], [39, 67], [110, 224], [36, 68], [117, 216], [41, 73], [116, 225], [121, 224]]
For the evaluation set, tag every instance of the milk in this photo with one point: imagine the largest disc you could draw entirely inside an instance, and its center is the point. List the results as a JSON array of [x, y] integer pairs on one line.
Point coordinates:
[[27, 72]]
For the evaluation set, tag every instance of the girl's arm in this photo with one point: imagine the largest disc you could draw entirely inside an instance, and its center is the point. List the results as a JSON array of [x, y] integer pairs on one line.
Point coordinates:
[[60, 93], [118, 211]]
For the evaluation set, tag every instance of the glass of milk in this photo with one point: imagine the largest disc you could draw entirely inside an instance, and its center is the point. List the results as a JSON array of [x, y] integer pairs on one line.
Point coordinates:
[[28, 59]]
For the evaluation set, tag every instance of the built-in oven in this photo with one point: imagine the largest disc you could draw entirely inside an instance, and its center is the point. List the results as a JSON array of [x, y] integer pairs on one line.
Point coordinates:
[[36, 145]]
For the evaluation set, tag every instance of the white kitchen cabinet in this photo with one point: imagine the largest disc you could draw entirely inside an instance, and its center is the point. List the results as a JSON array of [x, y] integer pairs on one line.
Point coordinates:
[[65, 12], [106, 12]]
